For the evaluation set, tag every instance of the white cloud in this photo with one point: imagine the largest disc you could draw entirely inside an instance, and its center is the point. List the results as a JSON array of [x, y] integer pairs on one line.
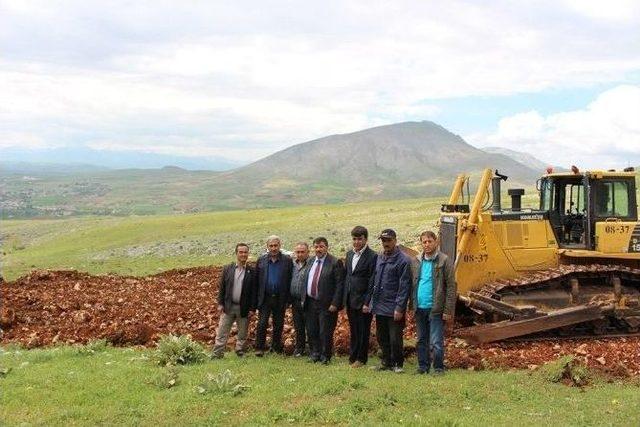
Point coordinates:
[[605, 134], [216, 76], [24, 140]]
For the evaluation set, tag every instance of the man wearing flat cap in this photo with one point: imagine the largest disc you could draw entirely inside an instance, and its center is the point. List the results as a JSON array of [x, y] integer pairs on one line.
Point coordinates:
[[387, 300]]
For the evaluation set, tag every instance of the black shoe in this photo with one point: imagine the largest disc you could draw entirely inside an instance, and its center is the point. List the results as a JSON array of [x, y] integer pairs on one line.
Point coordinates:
[[420, 371], [314, 359], [240, 353], [259, 353], [298, 353], [438, 372], [324, 360]]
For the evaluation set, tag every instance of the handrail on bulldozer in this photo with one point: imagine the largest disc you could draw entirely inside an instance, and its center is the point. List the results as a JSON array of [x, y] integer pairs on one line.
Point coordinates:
[[471, 223], [456, 192]]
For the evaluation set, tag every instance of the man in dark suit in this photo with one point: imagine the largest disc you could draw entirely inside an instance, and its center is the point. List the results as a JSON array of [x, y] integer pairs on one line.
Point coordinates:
[[274, 277], [360, 267], [322, 300], [236, 301]]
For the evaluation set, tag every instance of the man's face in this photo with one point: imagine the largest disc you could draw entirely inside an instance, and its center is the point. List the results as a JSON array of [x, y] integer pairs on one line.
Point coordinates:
[[273, 247], [242, 254], [358, 242], [429, 244], [320, 249], [302, 252], [388, 245]]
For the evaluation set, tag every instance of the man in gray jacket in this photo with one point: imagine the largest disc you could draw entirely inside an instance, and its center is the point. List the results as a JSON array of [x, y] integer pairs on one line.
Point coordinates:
[[298, 288], [434, 301]]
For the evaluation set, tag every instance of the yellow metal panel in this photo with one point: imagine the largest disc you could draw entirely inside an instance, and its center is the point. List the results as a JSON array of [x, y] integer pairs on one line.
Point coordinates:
[[533, 259], [484, 260], [525, 234], [616, 237]]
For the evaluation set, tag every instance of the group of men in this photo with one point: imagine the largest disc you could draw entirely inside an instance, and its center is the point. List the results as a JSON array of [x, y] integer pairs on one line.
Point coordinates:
[[317, 287]]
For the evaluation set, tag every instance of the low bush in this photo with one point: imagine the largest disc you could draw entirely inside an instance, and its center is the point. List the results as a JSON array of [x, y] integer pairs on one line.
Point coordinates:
[[167, 378], [567, 370], [226, 382], [178, 350]]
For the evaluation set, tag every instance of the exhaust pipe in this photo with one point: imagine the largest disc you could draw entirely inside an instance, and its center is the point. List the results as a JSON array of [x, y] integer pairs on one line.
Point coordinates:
[[496, 206]]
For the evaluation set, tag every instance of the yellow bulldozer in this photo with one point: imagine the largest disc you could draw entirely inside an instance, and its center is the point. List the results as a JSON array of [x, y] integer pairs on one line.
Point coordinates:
[[570, 267]]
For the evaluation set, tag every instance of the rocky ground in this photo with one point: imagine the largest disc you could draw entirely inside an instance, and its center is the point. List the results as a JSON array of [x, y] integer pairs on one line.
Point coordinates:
[[49, 307]]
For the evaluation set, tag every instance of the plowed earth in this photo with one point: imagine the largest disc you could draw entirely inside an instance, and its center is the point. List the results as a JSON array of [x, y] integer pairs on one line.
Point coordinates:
[[48, 307]]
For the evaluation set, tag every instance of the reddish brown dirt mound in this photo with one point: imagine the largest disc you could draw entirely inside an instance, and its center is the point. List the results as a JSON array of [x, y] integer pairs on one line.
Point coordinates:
[[47, 307]]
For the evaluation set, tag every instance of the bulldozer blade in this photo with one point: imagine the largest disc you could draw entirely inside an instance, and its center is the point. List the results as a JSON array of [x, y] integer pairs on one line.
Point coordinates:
[[514, 328]]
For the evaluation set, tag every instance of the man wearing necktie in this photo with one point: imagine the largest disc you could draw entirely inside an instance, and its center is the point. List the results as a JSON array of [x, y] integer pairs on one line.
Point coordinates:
[[322, 301]]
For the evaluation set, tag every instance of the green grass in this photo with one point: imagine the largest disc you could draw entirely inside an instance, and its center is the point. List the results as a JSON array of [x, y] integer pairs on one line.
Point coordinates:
[[144, 245], [62, 386], [140, 245]]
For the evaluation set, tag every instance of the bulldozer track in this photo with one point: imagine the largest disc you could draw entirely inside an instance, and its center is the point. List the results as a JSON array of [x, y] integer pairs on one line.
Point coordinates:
[[563, 272], [568, 302]]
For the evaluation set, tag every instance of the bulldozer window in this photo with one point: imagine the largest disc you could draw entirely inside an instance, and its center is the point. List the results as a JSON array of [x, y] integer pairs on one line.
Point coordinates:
[[612, 199], [576, 203]]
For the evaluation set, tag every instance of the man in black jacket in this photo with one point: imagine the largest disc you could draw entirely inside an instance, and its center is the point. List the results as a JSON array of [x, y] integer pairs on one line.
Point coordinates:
[[322, 300], [360, 266], [274, 278], [236, 301]]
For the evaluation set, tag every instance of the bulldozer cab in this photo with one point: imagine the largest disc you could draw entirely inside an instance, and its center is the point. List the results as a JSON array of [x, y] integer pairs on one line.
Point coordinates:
[[578, 202]]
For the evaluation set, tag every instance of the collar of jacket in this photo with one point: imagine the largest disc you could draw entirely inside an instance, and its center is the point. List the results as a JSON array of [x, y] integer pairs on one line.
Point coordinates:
[[435, 259], [303, 265], [278, 258], [392, 257]]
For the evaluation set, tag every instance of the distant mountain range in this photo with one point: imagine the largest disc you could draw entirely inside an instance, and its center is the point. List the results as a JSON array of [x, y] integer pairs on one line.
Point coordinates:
[[520, 157], [82, 156], [404, 160]]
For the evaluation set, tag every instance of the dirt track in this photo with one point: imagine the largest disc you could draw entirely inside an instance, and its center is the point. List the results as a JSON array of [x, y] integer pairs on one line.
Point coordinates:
[[47, 307]]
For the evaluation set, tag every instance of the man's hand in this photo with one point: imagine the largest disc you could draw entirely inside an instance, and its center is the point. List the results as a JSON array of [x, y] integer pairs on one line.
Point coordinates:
[[366, 309], [398, 315], [220, 307], [333, 308]]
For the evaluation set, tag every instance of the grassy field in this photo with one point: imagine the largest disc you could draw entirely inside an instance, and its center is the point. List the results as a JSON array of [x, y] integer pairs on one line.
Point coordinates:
[[140, 245], [64, 386], [148, 244]]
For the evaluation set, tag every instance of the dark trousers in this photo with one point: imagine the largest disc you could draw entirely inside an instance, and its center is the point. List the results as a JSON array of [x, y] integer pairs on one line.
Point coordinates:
[[360, 331], [298, 323], [320, 326], [430, 340], [389, 334], [271, 307]]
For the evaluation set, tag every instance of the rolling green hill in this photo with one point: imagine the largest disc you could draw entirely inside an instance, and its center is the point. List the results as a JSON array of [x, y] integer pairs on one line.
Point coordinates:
[[149, 244]]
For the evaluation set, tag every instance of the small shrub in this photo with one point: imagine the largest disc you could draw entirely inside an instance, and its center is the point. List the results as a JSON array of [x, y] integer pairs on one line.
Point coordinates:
[[167, 378], [92, 347], [223, 383], [567, 370], [178, 350], [4, 371]]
